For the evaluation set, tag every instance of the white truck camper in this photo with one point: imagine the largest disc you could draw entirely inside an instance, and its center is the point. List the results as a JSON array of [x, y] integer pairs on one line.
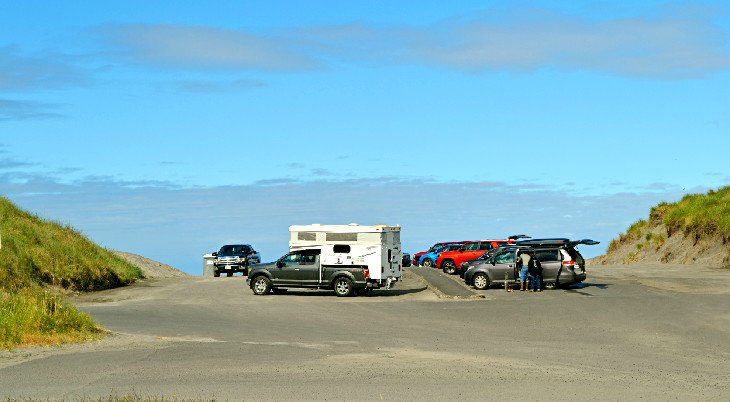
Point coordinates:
[[377, 247]]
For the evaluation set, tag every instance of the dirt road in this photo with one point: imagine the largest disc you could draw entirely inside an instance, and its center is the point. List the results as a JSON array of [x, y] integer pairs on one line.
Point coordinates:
[[629, 333]]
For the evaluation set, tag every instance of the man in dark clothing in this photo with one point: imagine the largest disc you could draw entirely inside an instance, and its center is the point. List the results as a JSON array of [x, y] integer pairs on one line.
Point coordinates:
[[535, 269]]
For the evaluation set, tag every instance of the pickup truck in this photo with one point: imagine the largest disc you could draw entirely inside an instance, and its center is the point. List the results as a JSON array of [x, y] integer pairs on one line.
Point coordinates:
[[303, 269], [234, 258]]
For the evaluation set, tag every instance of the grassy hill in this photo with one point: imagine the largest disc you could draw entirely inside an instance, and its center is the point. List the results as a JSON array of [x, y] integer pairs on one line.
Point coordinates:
[[694, 230], [40, 259]]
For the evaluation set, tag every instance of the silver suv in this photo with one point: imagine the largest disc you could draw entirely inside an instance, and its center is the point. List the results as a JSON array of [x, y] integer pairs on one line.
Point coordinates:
[[561, 263]]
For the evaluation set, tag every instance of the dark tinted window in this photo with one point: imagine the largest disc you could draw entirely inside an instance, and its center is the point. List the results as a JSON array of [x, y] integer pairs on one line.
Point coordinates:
[[341, 248], [547, 255], [233, 249], [485, 245]]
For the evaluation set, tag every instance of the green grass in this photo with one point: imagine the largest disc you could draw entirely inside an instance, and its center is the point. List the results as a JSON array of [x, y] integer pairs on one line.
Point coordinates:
[[37, 254], [35, 316], [696, 215]]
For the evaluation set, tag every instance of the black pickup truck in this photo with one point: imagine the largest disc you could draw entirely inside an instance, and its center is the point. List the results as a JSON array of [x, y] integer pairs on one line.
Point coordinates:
[[302, 269], [234, 258]]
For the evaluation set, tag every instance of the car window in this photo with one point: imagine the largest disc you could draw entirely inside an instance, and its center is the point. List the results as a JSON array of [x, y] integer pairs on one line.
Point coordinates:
[[485, 245], [293, 258], [505, 258], [547, 255], [308, 259], [471, 247]]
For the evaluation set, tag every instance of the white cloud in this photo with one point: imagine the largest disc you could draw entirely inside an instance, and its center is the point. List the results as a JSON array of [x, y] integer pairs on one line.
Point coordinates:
[[205, 47], [672, 46]]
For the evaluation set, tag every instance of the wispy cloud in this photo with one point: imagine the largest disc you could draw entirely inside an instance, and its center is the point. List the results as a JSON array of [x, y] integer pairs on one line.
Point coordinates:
[[210, 86], [676, 44], [672, 46], [205, 47], [27, 110], [20, 72]]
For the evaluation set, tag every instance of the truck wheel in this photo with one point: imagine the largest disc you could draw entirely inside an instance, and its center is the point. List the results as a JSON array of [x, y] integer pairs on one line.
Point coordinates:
[[229, 274], [481, 281], [343, 286], [216, 273], [261, 285], [428, 263], [449, 267]]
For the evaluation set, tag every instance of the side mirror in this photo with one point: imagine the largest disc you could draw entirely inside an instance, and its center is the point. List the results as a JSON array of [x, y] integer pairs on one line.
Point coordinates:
[[279, 264], [253, 252], [215, 254]]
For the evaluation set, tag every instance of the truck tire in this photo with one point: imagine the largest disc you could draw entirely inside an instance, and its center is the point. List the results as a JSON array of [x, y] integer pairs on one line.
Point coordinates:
[[216, 273], [261, 285], [343, 286], [481, 281], [449, 267], [428, 263], [229, 274]]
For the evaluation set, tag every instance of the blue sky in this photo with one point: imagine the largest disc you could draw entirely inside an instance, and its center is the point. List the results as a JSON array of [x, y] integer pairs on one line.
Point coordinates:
[[169, 128]]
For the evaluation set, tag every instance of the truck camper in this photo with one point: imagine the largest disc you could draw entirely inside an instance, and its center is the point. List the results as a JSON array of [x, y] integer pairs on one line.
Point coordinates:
[[347, 258]]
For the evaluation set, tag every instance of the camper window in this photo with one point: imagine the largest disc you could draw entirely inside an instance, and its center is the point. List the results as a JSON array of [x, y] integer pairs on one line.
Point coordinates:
[[341, 248], [341, 236], [307, 236]]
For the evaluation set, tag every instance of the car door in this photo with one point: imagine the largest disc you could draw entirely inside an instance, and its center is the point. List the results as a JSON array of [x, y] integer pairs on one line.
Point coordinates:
[[287, 269], [504, 267], [469, 252], [308, 273], [550, 260]]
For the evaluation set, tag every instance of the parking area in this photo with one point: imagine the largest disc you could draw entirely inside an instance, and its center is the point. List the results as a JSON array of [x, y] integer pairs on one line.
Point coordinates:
[[624, 334]]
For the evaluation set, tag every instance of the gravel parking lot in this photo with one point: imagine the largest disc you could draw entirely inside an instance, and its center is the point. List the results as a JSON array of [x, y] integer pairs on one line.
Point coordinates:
[[628, 333]]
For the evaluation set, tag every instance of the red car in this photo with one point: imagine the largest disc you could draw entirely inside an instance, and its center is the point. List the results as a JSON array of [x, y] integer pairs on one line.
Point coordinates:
[[418, 255], [450, 261]]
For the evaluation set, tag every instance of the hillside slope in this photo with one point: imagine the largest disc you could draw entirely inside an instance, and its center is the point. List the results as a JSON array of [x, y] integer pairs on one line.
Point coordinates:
[[151, 268], [38, 260], [695, 230]]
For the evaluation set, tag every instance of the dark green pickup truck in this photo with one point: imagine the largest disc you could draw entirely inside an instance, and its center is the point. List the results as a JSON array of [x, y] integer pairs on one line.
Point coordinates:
[[302, 269]]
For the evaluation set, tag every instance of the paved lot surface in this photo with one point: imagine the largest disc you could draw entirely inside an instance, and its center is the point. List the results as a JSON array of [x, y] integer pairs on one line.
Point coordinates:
[[629, 333]]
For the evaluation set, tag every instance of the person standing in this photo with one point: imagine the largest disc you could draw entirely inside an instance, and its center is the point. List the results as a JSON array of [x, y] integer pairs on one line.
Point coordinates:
[[535, 270], [523, 262]]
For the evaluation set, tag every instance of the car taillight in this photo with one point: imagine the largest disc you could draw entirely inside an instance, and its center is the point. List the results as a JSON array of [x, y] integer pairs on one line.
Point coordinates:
[[571, 262], [366, 272]]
